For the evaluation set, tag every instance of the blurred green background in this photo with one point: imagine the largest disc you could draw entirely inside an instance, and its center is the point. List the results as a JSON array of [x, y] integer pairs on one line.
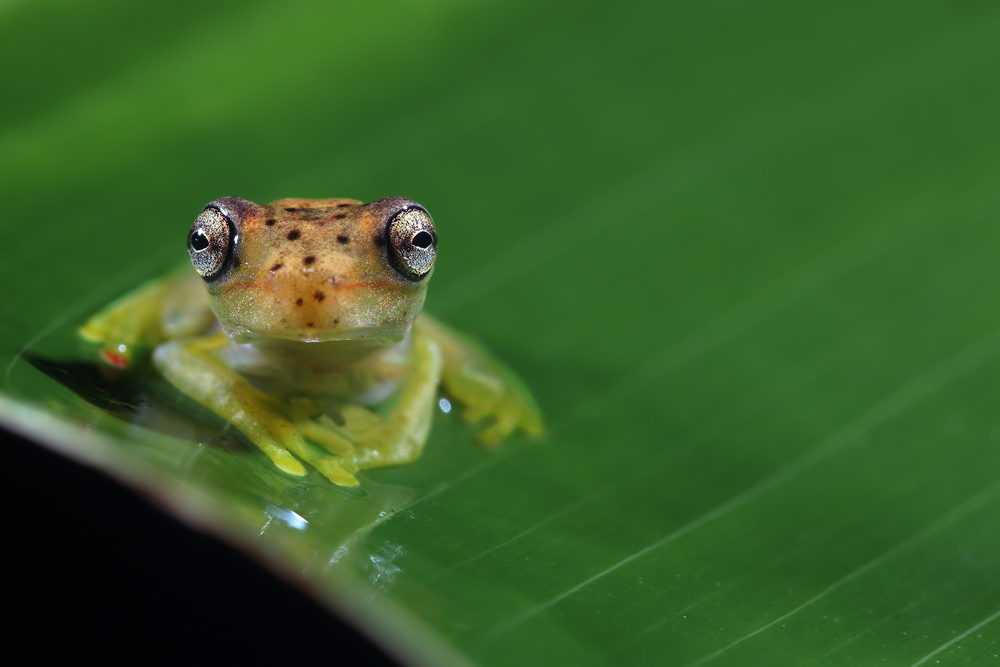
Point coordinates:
[[743, 253]]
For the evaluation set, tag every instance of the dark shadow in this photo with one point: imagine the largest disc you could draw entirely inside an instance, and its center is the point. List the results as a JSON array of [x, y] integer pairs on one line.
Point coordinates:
[[142, 399]]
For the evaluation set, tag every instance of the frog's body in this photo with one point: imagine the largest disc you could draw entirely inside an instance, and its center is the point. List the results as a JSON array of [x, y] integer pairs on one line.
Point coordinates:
[[303, 329]]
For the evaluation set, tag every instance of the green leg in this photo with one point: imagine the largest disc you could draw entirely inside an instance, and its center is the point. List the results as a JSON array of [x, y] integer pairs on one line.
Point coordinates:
[[130, 328], [487, 390], [399, 437]]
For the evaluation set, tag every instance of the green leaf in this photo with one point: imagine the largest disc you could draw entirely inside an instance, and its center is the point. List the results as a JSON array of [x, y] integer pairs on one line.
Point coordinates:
[[743, 253]]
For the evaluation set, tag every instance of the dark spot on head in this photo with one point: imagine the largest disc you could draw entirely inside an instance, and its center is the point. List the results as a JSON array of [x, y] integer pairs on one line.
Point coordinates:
[[236, 262], [319, 296], [339, 216], [277, 266], [293, 209], [270, 222], [379, 241], [308, 260], [342, 205], [310, 325], [336, 322], [294, 234], [343, 239], [298, 302]]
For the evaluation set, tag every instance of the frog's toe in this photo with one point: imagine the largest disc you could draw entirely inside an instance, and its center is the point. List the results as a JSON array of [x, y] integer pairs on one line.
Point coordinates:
[[280, 456], [290, 465], [530, 422], [502, 426], [478, 411], [506, 419], [337, 470], [324, 435]]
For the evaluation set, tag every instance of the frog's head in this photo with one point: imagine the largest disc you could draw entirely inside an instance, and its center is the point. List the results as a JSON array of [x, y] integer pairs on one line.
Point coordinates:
[[314, 270]]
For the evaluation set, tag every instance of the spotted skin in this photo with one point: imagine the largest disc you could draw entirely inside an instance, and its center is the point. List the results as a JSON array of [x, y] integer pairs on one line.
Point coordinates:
[[304, 330]]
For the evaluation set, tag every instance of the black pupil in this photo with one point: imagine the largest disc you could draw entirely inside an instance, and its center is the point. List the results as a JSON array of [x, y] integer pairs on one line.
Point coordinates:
[[199, 241], [422, 240]]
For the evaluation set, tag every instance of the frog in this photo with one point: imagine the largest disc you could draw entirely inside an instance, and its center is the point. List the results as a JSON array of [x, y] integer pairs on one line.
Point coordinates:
[[300, 324]]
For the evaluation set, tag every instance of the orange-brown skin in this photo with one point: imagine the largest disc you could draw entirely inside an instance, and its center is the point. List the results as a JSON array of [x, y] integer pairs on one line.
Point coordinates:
[[313, 270]]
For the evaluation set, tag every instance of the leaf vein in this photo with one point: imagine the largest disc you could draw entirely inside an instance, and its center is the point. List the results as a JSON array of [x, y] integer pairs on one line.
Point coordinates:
[[892, 406], [973, 503]]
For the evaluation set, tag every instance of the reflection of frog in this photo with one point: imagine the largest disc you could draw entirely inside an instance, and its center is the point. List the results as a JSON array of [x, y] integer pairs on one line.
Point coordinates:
[[316, 359]]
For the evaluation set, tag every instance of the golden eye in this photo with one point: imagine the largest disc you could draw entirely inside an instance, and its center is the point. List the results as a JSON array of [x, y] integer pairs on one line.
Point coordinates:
[[210, 243], [412, 242]]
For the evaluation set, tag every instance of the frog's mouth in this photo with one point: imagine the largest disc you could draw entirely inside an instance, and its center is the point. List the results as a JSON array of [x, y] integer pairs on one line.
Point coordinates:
[[362, 336]]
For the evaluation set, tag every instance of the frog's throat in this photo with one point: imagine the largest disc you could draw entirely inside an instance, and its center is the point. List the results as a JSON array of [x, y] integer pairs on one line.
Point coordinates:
[[344, 369]]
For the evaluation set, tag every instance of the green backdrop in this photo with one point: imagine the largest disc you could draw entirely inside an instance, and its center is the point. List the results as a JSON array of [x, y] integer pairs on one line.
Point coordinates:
[[743, 252]]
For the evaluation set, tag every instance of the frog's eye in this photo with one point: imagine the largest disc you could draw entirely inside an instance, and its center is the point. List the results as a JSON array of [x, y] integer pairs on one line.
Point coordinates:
[[412, 242], [210, 243]]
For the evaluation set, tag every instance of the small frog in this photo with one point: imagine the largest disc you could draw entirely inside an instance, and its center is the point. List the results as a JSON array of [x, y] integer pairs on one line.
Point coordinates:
[[301, 326]]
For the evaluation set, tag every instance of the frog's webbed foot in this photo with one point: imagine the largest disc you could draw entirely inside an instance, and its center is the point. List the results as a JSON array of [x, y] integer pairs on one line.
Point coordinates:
[[290, 431], [488, 391], [191, 366], [495, 398], [364, 439], [318, 424], [298, 436]]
